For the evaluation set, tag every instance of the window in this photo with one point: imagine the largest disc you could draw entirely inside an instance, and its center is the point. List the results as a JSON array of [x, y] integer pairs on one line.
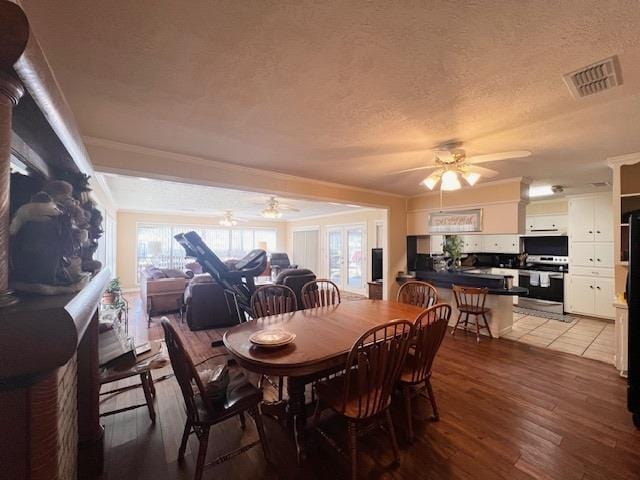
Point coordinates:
[[156, 245]]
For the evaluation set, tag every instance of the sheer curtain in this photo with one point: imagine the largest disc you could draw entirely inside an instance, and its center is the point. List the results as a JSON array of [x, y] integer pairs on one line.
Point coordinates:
[[306, 251]]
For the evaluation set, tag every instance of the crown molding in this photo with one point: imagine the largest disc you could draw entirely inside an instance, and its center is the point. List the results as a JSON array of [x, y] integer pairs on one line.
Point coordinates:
[[628, 159], [204, 162], [335, 214]]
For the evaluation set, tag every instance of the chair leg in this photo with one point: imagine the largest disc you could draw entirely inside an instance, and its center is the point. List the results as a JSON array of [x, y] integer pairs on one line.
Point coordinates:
[[280, 388], [352, 429], [202, 453], [243, 422], [477, 328], [185, 438], [486, 323], [392, 433], [453, 332], [406, 393], [432, 399], [145, 379]]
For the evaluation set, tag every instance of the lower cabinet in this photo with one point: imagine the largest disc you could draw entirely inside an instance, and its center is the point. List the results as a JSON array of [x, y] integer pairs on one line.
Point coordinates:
[[590, 296]]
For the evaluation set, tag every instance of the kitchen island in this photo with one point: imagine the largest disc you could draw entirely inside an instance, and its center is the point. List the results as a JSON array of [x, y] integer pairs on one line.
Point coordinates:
[[499, 298]]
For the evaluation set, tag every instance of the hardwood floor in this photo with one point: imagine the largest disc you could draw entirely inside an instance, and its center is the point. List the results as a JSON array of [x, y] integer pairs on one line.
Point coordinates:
[[507, 410]]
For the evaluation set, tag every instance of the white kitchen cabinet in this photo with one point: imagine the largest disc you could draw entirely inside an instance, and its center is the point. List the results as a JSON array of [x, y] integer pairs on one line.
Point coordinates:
[[604, 296], [588, 254], [501, 244], [437, 244], [581, 295], [591, 219], [582, 255], [472, 243], [542, 223], [589, 295], [603, 255], [603, 219], [582, 219]]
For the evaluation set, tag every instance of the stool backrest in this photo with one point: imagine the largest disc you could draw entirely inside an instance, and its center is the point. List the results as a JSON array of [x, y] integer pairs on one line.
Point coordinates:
[[421, 294], [470, 298]]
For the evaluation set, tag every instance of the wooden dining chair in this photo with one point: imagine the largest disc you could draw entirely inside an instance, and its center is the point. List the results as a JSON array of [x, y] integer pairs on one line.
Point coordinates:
[[363, 391], [320, 293], [272, 300], [471, 301], [429, 330], [202, 414], [421, 294]]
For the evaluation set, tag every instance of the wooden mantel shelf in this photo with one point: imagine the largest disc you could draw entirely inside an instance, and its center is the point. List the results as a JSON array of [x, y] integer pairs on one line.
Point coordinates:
[[41, 333]]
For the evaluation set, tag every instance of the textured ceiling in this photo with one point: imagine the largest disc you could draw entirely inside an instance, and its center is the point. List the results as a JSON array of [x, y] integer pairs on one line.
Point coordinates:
[[159, 196], [349, 91]]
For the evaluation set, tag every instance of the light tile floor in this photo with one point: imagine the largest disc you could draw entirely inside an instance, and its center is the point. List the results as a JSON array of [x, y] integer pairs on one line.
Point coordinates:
[[586, 337]]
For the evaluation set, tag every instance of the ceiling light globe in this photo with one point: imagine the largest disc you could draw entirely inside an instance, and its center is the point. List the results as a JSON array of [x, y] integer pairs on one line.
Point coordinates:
[[430, 182], [450, 181], [471, 177]]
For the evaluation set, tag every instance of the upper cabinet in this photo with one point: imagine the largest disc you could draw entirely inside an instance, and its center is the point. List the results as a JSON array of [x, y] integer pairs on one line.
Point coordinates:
[[546, 223], [591, 219], [603, 219]]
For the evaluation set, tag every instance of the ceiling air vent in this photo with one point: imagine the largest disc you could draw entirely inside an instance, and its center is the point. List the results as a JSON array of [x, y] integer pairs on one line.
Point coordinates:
[[595, 78], [600, 184]]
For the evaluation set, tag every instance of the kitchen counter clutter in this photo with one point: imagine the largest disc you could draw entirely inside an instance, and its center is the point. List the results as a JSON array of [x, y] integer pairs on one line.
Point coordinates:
[[499, 299]]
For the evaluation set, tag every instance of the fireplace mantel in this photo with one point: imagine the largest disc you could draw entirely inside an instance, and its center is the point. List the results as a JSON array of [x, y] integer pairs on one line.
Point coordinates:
[[41, 333]]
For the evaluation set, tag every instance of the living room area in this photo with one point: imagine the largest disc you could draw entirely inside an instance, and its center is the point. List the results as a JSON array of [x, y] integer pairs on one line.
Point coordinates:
[[340, 242]]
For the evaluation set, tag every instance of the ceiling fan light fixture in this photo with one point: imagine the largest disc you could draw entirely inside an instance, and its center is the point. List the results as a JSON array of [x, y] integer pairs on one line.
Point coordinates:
[[450, 181], [471, 177], [271, 213], [431, 181]]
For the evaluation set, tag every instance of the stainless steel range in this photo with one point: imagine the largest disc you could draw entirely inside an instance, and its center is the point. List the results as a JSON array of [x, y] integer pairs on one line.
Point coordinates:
[[543, 276]]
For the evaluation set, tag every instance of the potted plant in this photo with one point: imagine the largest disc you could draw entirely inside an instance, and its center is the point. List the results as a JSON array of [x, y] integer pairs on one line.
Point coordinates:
[[111, 292], [453, 249]]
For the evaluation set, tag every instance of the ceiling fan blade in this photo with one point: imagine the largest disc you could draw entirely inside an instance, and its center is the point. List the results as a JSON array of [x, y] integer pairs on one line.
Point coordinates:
[[494, 157], [282, 206], [485, 172], [415, 169]]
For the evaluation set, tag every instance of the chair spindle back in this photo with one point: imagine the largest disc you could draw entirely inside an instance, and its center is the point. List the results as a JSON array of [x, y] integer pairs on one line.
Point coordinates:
[[320, 293], [272, 300], [429, 330], [421, 294]]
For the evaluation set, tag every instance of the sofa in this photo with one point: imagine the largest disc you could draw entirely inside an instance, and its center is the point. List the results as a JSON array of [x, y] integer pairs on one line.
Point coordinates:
[[206, 304], [162, 290]]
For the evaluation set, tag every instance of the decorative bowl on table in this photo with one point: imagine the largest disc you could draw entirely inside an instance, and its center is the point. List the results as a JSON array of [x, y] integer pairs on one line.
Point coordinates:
[[272, 338]]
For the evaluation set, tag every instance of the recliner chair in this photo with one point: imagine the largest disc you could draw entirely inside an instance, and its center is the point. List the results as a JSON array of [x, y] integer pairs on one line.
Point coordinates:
[[295, 279], [280, 262]]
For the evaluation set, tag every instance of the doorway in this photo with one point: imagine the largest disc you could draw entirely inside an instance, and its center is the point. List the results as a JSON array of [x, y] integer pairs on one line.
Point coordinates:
[[346, 256]]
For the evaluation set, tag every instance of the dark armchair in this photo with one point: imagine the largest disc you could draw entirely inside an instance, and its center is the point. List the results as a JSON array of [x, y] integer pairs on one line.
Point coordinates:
[[280, 262], [296, 279]]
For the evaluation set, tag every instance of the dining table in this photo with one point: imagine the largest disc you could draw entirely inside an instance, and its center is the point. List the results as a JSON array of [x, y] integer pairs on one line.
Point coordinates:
[[324, 337]]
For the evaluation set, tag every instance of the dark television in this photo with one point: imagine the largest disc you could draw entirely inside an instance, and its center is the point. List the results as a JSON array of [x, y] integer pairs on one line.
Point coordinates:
[[376, 264]]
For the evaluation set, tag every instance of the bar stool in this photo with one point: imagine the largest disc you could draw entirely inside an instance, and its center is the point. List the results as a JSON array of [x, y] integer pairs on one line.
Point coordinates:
[[471, 301]]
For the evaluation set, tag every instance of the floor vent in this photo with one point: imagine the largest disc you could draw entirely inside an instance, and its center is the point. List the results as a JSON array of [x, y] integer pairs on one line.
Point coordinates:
[[595, 78]]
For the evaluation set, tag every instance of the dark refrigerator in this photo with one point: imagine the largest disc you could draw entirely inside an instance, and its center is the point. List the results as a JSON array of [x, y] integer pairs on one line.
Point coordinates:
[[633, 302]]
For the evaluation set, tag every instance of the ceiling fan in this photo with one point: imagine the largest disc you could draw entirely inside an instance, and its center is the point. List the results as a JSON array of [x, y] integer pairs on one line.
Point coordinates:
[[229, 219], [274, 208], [451, 163]]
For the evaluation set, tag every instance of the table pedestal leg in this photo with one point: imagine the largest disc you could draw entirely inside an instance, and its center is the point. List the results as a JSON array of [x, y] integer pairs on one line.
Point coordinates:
[[297, 414]]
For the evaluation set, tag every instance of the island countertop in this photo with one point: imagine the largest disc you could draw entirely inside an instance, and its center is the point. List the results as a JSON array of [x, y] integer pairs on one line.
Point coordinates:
[[448, 278]]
